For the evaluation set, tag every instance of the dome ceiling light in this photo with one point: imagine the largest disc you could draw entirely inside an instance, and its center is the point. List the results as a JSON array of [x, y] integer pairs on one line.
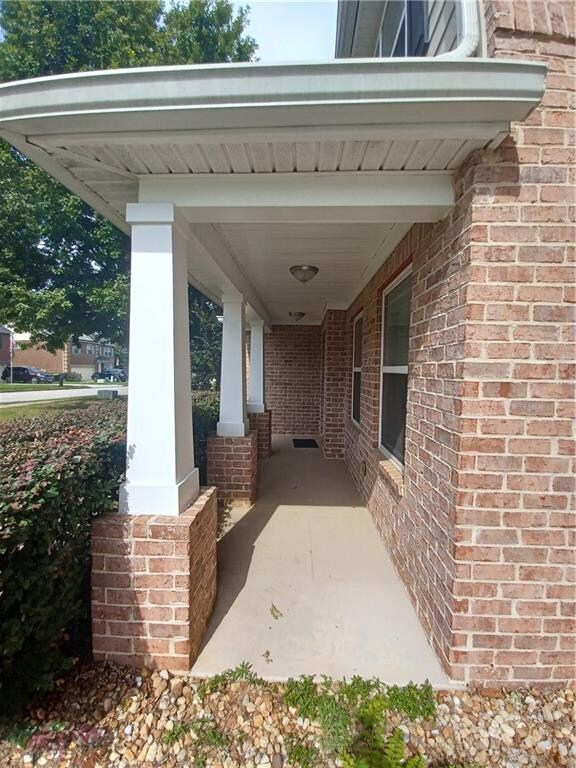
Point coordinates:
[[297, 315], [304, 272]]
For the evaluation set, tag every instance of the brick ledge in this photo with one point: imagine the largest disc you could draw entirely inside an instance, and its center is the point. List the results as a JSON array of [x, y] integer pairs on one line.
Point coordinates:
[[393, 476]]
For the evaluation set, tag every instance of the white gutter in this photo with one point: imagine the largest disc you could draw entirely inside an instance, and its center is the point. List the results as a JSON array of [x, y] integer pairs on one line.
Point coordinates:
[[469, 29]]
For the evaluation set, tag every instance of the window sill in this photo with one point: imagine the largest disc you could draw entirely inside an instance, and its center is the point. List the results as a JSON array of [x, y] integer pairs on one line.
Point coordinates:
[[391, 473]]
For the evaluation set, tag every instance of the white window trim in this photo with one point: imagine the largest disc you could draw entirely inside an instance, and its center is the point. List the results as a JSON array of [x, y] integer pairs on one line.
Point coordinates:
[[403, 20], [355, 369], [389, 368]]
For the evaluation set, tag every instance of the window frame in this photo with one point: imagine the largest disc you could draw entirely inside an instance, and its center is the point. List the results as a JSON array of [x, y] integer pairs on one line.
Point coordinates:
[[356, 369], [400, 369]]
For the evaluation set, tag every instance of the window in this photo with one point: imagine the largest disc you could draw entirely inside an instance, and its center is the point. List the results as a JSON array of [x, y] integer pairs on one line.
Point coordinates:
[[404, 29], [357, 370], [76, 350], [394, 374], [89, 349]]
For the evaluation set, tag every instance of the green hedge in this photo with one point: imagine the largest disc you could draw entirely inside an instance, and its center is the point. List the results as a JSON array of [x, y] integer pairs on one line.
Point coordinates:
[[56, 473]]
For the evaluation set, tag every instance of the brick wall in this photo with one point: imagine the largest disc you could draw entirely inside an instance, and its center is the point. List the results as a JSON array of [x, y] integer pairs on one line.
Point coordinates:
[[514, 552], [335, 369], [232, 466], [53, 362], [153, 585], [292, 360], [479, 523], [261, 424]]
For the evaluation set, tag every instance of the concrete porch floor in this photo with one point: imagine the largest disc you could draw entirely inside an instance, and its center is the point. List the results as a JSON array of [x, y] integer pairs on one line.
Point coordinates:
[[309, 549]]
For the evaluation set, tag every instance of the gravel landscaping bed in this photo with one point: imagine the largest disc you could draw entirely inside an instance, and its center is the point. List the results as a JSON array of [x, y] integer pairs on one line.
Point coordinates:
[[103, 716]]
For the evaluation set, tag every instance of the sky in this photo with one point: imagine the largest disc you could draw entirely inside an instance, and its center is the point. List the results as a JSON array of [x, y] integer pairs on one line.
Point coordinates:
[[293, 30]]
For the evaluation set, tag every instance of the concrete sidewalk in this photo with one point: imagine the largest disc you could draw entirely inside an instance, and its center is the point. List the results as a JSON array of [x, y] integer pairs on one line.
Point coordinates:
[[306, 585], [65, 393]]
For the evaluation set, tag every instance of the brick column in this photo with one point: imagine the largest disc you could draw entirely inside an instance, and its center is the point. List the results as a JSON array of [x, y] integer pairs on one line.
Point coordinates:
[[334, 385], [261, 423], [232, 466], [153, 585]]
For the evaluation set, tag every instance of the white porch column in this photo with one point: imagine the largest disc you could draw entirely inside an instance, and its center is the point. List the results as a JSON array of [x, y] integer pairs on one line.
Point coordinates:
[[160, 475], [256, 390], [233, 422]]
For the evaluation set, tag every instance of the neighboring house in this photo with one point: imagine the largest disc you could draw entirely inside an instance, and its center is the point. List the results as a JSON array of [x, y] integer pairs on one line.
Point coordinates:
[[5, 335], [84, 358], [432, 351]]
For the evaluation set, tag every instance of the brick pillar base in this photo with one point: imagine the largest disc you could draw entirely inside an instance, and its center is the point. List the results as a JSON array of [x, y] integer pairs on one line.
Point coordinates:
[[261, 423], [153, 585], [232, 465]]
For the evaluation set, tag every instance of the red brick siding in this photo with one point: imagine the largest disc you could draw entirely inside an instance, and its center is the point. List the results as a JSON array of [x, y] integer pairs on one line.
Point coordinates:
[[335, 366], [53, 362], [483, 535], [153, 585], [292, 362], [261, 423], [514, 543], [232, 466]]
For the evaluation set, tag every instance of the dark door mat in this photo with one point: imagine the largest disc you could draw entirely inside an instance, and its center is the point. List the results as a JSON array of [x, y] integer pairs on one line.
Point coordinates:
[[304, 442]]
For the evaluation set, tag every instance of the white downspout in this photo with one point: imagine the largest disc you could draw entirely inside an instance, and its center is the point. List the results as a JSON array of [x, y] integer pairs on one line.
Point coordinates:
[[469, 29]]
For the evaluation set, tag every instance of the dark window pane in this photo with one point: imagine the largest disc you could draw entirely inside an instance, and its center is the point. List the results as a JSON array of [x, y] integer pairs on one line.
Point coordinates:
[[393, 428], [397, 324], [417, 27], [356, 385], [358, 343]]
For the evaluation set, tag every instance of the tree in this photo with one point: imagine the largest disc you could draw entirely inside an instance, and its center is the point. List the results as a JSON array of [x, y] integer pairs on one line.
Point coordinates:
[[63, 267], [205, 341]]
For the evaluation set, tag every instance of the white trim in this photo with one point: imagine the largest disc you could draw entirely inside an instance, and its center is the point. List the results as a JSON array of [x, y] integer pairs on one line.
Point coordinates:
[[356, 369], [403, 18], [400, 369]]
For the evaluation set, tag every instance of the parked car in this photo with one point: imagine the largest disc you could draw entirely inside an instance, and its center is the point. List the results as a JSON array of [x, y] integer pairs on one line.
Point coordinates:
[[26, 374], [115, 374]]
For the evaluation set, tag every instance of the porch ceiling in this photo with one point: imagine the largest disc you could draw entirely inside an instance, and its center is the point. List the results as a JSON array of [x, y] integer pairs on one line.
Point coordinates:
[[324, 163], [347, 255]]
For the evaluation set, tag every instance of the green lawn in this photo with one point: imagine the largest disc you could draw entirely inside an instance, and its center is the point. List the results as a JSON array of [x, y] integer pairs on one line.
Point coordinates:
[[37, 387], [47, 406]]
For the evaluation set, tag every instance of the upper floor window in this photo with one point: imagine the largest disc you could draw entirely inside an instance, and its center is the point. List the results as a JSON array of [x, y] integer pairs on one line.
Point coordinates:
[[404, 30], [89, 349], [394, 373], [76, 350], [357, 370]]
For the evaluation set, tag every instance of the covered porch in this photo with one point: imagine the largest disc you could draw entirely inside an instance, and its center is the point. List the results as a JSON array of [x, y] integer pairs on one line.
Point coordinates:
[[306, 587], [226, 177]]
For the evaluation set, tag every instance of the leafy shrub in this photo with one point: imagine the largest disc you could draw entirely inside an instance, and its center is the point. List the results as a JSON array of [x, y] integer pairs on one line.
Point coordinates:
[[205, 411], [72, 376], [56, 473]]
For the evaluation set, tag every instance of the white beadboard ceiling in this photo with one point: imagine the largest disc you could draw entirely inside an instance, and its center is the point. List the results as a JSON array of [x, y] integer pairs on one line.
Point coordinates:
[[344, 253], [112, 171]]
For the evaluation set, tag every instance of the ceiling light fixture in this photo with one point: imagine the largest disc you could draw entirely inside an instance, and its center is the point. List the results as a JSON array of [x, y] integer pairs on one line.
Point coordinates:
[[297, 315], [304, 272]]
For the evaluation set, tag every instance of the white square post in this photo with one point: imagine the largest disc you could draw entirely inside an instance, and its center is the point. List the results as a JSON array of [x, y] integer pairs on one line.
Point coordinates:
[[233, 421], [160, 475], [256, 386]]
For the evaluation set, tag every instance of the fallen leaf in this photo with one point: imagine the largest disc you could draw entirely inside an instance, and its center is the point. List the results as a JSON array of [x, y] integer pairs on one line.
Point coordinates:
[[275, 612]]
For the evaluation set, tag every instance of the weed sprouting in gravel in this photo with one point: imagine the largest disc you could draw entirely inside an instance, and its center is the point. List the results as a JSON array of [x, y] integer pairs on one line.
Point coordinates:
[[242, 672], [352, 717], [301, 754], [416, 701]]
